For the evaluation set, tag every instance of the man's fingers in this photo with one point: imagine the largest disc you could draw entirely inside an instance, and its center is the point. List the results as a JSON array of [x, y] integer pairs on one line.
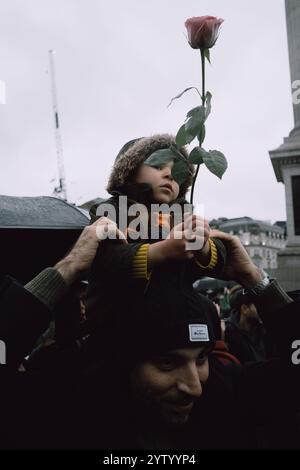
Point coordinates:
[[218, 234], [106, 231], [106, 228], [121, 236], [227, 237], [104, 221], [233, 242]]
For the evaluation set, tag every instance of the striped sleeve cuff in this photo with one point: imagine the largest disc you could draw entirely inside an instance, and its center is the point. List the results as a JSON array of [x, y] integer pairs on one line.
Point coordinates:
[[48, 286], [140, 263], [213, 256]]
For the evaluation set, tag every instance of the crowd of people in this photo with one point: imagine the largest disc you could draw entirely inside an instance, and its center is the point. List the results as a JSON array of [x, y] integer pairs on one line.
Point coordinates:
[[114, 348]]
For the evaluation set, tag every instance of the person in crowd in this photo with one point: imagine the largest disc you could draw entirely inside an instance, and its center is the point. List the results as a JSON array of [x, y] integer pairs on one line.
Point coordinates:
[[220, 351], [245, 333], [154, 383]]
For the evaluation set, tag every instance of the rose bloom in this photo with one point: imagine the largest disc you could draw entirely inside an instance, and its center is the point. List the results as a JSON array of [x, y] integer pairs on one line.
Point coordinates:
[[203, 31]]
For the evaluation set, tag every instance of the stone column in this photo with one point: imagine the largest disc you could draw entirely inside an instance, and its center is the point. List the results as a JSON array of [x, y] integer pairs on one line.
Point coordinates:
[[286, 163], [292, 8]]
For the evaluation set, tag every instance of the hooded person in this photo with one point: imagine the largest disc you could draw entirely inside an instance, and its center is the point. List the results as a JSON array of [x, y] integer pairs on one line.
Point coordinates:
[[148, 204], [245, 333]]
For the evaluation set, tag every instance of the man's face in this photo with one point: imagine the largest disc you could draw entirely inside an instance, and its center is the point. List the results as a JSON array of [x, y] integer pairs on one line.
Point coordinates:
[[165, 188], [168, 385]]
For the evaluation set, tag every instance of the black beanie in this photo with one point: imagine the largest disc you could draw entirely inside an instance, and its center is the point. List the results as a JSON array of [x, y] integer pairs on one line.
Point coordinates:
[[165, 317]]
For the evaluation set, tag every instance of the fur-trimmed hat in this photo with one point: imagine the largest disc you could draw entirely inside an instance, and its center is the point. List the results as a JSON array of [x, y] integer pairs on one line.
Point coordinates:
[[135, 152]]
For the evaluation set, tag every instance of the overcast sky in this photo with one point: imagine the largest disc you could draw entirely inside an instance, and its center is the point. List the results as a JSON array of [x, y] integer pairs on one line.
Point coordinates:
[[118, 64]]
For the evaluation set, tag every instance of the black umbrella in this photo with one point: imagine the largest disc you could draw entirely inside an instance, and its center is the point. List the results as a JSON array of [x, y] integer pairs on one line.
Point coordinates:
[[209, 283], [35, 232]]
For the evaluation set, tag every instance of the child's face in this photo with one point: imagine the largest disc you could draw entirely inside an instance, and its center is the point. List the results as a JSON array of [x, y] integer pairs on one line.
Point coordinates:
[[165, 188]]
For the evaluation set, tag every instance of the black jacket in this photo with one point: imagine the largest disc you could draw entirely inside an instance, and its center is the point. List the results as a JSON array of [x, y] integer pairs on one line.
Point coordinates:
[[246, 347]]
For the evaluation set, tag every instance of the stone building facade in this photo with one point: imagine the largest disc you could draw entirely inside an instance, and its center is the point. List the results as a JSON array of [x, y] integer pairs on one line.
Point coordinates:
[[262, 240]]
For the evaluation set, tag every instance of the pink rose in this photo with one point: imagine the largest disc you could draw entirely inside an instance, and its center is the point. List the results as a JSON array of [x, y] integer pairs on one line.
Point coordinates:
[[203, 31]]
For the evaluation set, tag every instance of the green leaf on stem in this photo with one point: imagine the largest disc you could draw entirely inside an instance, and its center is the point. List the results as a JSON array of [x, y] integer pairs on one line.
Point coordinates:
[[196, 120], [207, 54], [215, 162], [160, 158], [180, 94], [194, 112], [208, 98], [201, 135], [183, 137], [180, 169], [197, 154], [176, 152]]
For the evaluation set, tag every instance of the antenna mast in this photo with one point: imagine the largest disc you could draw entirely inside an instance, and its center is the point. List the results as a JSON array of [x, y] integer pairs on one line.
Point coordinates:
[[60, 191]]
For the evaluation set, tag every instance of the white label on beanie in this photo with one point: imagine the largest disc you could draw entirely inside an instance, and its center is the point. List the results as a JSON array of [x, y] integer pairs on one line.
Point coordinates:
[[198, 332]]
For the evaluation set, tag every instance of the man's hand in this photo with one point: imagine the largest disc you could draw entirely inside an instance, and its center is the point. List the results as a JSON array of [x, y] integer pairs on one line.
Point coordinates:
[[239, 266], [80, 258]]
